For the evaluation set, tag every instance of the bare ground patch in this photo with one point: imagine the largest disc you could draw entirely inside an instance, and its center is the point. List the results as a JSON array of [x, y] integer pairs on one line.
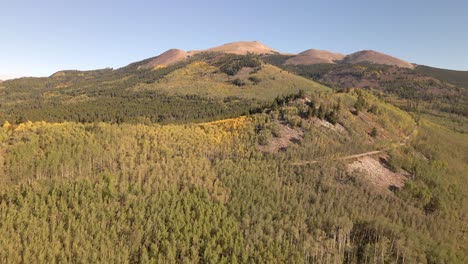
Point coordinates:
[[244, 73], [287, 136], [324, 123], [378, 174]]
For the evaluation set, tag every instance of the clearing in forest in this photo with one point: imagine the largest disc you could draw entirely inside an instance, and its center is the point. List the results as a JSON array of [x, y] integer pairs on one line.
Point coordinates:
[[378, 174]]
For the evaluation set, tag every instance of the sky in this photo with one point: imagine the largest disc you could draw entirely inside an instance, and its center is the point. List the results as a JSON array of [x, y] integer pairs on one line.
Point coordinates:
[[38, 38]]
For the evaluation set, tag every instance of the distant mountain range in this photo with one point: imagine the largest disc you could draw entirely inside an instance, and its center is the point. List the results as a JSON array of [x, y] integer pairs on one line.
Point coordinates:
[[311, 56], [307, 57], [259, 70]]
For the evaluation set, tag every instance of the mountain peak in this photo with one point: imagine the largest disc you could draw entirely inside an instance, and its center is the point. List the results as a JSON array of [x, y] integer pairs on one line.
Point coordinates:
[[315, 56], [167, 58], [242, 48], [376, 57]]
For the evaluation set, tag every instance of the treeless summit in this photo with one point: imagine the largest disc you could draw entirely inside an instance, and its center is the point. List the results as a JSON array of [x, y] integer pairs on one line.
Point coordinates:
[[311, 56], [167, 58], [242, 48], [377, 58], [314, 56]]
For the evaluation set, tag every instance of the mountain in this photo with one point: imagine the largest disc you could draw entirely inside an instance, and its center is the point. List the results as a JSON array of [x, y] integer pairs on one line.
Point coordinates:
[[313, 56], [230, 155], [242, 48], [220, 68], [220, 85], [167, 58], [441, 89], [375, 57], [173, 56]]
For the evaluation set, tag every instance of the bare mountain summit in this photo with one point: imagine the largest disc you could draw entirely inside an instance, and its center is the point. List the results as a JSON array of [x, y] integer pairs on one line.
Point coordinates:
[[376, 58], [167, 58], [313, 56], [242, 48]]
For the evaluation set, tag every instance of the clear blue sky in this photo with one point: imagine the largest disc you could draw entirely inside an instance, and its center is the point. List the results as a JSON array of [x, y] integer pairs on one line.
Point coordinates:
[[38, 38]]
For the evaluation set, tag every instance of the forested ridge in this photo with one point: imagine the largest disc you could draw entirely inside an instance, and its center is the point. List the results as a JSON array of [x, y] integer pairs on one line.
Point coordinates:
[[424, 87], [134, 165]]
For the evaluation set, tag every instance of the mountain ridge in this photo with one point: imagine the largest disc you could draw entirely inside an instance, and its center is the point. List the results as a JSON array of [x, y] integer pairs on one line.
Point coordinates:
[[307, 57]]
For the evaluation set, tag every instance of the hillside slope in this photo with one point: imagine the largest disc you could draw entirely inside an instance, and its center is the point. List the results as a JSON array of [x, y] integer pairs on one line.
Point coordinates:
[[205, 86], [415, 89], [117, 186], [458, 78], [203, 79], [226, 158], [167, 58]]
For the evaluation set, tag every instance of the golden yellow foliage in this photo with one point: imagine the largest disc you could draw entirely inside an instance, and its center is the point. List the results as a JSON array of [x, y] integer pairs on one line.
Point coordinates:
[[6, 125], [157, 67]]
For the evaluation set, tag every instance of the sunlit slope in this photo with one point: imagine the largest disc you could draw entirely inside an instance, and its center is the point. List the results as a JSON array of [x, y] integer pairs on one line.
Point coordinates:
[[206, 87], [202, 79], [114, 185]]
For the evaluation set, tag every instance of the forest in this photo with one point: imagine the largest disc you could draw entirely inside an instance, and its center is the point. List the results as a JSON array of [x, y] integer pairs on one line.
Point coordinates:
[[136, 166]]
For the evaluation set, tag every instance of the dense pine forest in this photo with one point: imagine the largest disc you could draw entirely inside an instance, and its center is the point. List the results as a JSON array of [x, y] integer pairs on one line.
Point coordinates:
[[230, 159]]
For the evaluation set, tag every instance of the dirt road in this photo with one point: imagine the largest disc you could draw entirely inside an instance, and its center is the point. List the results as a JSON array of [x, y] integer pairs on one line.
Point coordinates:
[[359, 155]]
